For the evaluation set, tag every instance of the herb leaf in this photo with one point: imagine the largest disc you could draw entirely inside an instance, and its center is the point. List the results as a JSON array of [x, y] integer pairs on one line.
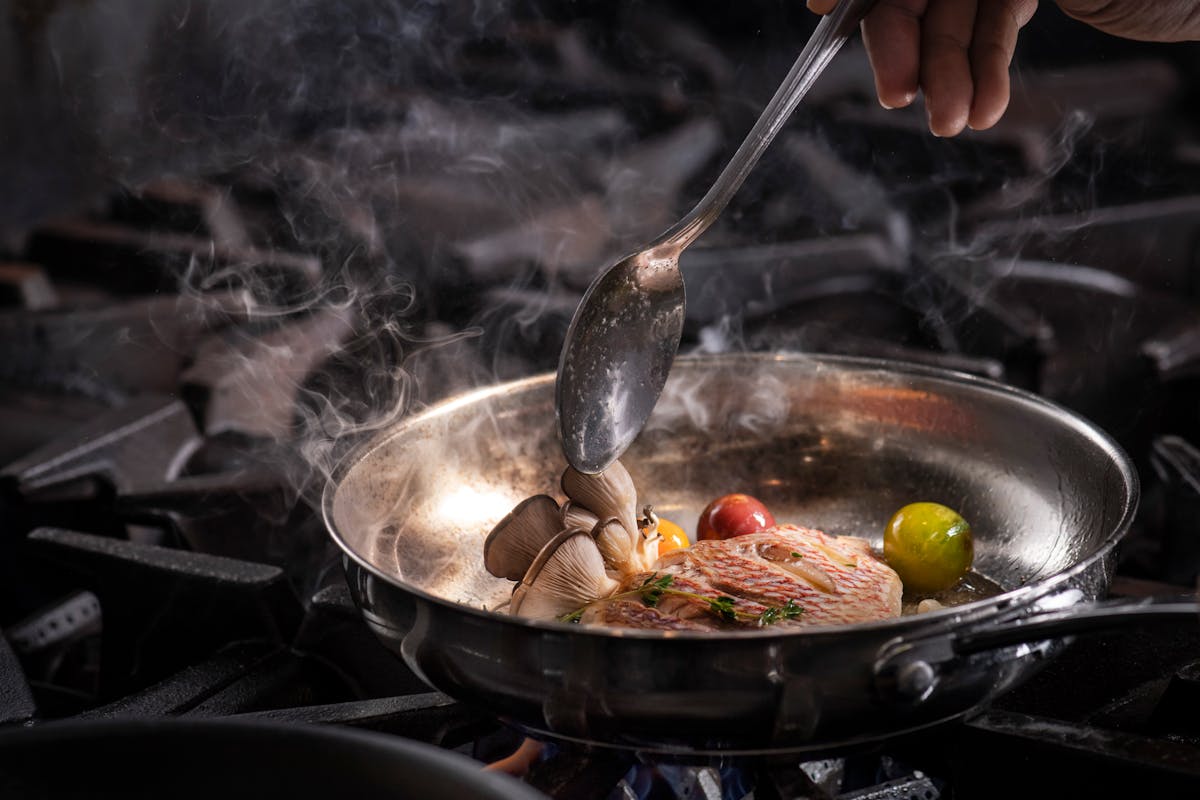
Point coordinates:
[[723, 607], [773, 614], [652, 589]]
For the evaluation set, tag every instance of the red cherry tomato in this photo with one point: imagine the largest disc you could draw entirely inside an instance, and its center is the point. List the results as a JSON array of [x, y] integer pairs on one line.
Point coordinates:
[[733, 515]]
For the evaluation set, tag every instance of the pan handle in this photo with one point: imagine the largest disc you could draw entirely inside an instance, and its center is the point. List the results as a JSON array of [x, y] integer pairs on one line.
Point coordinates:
[[907, 670]]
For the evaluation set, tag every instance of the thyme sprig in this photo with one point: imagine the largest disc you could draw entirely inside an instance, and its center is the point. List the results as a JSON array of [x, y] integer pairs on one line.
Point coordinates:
[[652, 589], [574, 616], [773, 614]]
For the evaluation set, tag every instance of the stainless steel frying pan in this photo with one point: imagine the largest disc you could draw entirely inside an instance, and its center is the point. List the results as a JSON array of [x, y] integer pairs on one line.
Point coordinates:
[[833, 443]]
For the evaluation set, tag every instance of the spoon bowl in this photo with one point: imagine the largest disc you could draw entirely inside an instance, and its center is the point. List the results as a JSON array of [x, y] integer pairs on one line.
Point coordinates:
[[618, 353]]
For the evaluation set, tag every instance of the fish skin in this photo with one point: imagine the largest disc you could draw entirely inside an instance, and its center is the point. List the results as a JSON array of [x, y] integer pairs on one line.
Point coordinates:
[[864, 587]]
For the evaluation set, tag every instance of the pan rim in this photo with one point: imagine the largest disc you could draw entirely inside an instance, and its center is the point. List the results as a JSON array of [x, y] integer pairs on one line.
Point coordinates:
[[977, 609]]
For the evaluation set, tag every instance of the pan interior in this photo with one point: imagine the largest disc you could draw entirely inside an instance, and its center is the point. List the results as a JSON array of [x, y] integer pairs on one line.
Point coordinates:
[[832, 443]]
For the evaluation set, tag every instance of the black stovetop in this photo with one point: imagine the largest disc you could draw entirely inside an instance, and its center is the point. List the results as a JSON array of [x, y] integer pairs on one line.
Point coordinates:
[[183, 356]]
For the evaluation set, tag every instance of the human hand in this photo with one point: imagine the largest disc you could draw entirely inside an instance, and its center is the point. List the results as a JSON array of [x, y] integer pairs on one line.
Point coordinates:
[[957, 52], [1162, 21]]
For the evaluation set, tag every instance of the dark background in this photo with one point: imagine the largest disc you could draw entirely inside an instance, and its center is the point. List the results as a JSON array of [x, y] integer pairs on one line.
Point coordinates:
[[102, 93]]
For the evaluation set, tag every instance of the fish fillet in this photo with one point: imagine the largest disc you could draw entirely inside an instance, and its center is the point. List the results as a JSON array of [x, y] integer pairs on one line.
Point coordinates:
[[829, 579]]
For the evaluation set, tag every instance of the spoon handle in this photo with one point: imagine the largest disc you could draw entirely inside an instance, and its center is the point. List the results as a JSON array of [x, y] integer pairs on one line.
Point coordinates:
[[831, 33]]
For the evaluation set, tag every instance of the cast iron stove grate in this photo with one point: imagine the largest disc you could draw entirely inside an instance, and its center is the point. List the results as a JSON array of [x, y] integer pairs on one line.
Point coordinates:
[[155, 590], [155, 560]]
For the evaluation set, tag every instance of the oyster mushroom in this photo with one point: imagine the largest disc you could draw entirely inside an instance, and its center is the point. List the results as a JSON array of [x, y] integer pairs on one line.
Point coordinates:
[[646, 552], [649, 523], [574, 515], [566, 575], [606, 494], [512, 546], [616, 546]]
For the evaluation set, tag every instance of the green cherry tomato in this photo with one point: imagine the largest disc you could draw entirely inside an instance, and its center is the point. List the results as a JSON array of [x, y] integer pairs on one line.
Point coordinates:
[[929, 546]]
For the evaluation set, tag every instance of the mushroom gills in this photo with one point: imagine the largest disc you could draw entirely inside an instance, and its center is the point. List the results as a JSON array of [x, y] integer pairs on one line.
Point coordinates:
[[567, 575], [574, 515]]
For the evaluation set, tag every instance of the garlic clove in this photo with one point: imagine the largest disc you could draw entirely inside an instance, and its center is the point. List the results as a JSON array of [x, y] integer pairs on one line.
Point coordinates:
[[568, 574], [606, 494], [515, 542], [574, 515], [927, 605]]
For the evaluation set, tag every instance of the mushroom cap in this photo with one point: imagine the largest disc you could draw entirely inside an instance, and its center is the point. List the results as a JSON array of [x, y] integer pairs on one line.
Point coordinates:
[[567, 575], [610, 493], [576, 516], [615, 545], [515, 542], [522, 588]]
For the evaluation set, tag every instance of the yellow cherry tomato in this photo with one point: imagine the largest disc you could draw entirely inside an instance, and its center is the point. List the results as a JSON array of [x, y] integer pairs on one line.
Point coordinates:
[[673, 537], [929, 546]]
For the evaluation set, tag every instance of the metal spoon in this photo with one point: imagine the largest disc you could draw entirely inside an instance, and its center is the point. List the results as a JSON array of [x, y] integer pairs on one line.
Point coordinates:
[[624, 335]]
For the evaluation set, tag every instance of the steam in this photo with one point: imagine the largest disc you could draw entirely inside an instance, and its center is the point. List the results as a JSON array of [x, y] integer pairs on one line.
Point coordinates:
[[700, 400], [352, 118], [972, 267], [445, 224], [1050, 157], [455, 204]]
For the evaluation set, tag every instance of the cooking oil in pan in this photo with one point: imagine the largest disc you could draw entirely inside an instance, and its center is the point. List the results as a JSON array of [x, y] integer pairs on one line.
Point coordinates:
[[970, 587]]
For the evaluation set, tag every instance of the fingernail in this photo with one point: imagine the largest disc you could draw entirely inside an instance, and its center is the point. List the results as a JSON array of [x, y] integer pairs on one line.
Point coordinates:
[[906, 100]]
